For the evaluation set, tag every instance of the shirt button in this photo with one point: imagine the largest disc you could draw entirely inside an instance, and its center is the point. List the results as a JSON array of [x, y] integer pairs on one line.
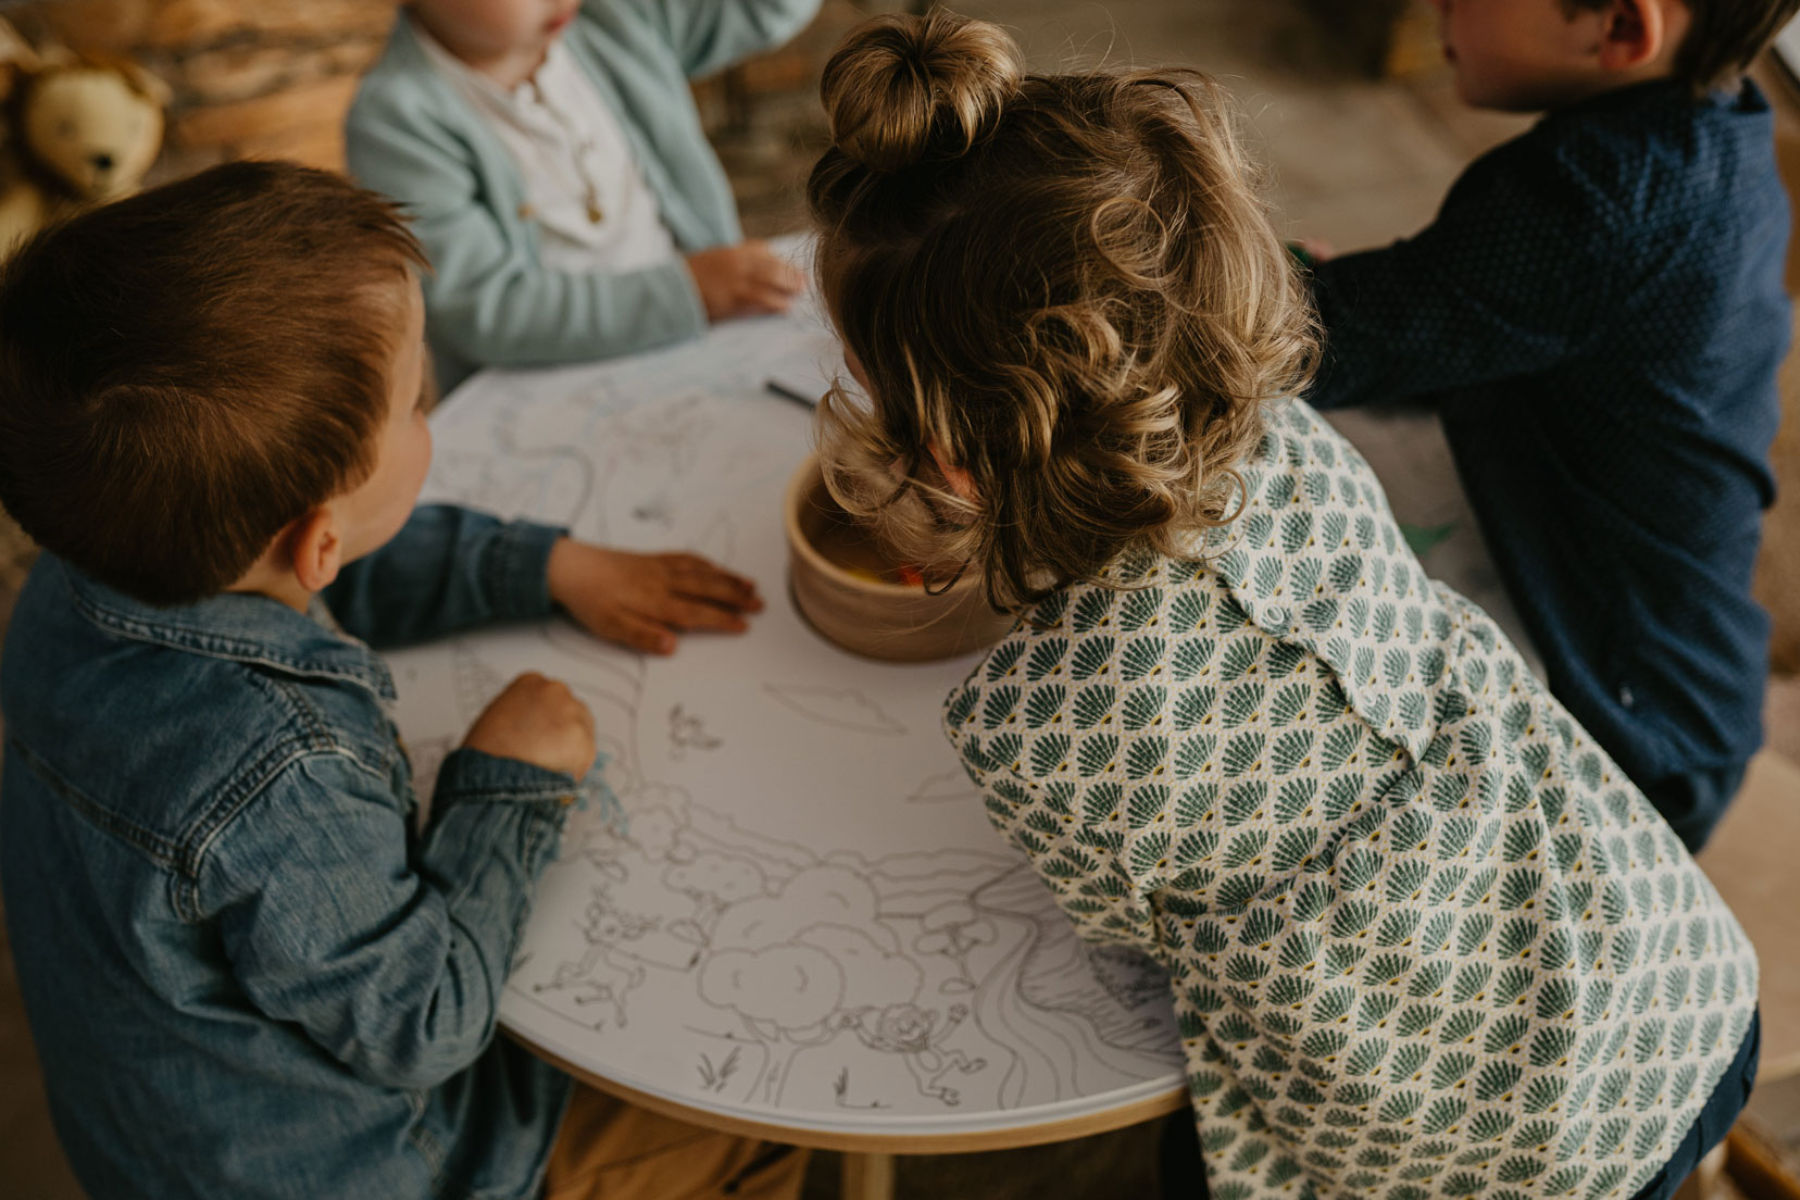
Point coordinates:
[[1626, 698]]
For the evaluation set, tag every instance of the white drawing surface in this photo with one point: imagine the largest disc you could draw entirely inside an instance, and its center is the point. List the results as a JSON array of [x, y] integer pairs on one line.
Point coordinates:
[[808, 920]]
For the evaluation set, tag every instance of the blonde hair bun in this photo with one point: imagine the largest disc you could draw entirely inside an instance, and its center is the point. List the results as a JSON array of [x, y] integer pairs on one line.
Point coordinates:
[[904, 89]]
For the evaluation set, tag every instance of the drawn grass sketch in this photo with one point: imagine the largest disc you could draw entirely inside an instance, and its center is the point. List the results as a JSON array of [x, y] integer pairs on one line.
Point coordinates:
[[840, 1090], [714, 1079]]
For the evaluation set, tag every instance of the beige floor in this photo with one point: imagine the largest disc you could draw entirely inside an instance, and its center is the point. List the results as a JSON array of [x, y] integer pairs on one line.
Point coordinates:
[[1351, 161]]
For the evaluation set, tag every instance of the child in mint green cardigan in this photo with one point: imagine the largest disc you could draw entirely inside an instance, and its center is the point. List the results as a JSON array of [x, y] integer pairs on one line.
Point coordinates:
[[555, 169]]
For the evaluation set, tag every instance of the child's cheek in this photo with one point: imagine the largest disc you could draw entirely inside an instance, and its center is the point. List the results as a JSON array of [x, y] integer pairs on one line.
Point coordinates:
[[425, 455]]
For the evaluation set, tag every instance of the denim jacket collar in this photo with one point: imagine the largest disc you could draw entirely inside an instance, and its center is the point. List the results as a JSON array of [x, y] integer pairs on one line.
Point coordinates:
[[243, 628]]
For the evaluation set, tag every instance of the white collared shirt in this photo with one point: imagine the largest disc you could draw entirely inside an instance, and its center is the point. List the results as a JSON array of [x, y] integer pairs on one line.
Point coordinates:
[[583, 187]]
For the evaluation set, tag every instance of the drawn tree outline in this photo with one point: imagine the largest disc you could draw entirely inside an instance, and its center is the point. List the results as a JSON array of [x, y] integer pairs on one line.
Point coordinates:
[[953, 929]]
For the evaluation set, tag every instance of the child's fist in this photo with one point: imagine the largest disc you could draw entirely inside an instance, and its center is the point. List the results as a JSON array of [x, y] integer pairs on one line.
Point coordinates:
[[538, 721], [644, 600], [743, 280]]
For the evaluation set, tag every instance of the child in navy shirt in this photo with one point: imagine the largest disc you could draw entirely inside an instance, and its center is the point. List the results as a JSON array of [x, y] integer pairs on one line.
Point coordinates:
[[1598, 314]]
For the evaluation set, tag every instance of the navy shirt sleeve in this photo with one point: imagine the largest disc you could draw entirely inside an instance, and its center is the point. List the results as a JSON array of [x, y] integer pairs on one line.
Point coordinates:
[[1512, 278]]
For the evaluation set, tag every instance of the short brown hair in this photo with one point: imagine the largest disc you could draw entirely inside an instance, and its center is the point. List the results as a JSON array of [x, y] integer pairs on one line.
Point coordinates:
[[1723, 38], [1065, 282], [185, 372]]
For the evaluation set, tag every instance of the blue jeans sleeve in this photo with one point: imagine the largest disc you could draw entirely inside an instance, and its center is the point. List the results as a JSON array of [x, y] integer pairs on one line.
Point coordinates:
[[391, 959], [448, 569]]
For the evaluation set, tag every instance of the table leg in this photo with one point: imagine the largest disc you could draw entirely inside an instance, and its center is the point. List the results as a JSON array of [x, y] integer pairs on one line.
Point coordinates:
[[1704, 1182], [868, 1177]]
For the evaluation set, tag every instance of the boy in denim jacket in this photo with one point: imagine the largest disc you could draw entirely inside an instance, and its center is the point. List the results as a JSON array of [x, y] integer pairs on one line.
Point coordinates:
[[247, 972]]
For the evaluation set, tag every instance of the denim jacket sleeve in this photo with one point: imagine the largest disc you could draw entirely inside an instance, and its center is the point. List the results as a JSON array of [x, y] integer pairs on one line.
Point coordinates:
[[449, 568], [710, 35], [390, 956], [1509, 280]]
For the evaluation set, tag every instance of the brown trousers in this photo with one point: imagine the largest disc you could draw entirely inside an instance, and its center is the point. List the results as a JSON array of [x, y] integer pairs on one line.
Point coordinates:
[[609, 1149]]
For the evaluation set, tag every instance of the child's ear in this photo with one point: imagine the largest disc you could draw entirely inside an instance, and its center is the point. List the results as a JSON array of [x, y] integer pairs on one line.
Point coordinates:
[[316, 549], [956, 478], [1633, 33]]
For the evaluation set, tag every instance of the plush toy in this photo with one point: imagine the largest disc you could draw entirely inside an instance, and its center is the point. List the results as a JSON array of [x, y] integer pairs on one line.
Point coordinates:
[[78, 132]]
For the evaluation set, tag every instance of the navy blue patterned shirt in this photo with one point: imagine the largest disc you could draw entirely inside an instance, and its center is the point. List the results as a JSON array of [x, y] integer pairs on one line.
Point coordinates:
[[1598, 314]]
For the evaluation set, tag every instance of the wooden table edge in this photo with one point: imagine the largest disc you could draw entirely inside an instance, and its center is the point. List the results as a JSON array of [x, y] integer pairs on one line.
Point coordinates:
[[1065, 1129]]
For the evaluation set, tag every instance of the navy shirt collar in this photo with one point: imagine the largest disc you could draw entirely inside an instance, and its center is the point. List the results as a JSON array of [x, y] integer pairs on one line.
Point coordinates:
[[1744, 96]]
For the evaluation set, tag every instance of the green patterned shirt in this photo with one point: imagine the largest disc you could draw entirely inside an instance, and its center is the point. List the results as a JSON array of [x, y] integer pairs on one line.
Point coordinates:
[[1424, 938]]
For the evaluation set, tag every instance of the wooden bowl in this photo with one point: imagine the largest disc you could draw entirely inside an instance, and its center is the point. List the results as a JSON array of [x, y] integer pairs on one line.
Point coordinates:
[[872, 616]]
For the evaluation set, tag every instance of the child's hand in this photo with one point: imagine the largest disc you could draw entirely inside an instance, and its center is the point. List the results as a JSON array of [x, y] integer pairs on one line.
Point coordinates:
[[1316, 250], [644, 600], [743, 280], [538, 721]]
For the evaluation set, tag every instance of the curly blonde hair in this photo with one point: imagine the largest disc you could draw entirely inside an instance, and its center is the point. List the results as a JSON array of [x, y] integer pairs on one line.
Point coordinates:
[[1063, 284]]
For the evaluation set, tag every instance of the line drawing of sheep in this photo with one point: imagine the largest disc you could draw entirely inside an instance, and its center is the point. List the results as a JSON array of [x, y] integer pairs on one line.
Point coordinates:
[[606, 973]]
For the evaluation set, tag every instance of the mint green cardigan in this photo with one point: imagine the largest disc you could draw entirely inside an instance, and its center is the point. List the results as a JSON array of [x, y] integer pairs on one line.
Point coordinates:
[[490, 301]]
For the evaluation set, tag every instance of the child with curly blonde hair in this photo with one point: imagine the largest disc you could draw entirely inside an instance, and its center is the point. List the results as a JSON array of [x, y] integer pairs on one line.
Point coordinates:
[[1423, 936]]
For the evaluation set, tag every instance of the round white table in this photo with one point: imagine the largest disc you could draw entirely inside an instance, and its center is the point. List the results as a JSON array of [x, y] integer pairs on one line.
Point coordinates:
[[808, 930]]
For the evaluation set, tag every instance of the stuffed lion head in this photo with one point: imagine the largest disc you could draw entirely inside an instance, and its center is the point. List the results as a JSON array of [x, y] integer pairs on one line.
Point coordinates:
[[92, 129]]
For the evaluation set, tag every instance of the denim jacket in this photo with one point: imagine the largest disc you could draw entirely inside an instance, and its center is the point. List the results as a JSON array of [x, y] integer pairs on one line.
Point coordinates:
[[247, 973]]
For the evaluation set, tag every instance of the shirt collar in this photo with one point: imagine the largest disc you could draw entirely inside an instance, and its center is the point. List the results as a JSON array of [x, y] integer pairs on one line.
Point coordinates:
[[1744, 95], [234, 626]]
